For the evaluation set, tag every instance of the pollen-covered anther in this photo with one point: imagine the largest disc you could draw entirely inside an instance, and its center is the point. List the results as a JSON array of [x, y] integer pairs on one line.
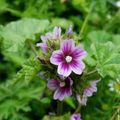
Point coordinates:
[[68, 59]]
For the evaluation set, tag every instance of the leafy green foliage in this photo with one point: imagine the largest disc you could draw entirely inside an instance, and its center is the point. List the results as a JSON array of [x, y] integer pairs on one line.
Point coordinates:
[[16, 94], [15, 34], [23, 96], [104, 53]]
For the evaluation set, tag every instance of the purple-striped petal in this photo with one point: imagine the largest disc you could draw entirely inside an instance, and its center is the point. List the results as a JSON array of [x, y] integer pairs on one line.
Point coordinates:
[[57, 57], [53, 84], [68, 91], [64, 69], [77, 66], [67, 46], [88, 92], [59, 94], [79, 53]]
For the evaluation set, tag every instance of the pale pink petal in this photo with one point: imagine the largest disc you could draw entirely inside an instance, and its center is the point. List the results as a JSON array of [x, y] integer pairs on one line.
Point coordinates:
[[57, 32], [70, 31], [88, 92], [53, 84], [49, 35], [77, 66], [67, 46], [64, 69], [43, 38], [43, 46], [82, 99], [57, 57], [79, 53]]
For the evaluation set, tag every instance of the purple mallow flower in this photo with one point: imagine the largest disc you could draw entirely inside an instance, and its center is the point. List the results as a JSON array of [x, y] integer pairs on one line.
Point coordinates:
[[68, 58], [61, 88], [75, 116], [56, 34], [88, 92], [91, 89]]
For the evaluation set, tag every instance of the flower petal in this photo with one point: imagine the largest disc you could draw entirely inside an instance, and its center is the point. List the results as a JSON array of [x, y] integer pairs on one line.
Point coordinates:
[[64, 69], [75, 116], [68, 91], [53, 84], [88, 92], [59, 94], [70, 31], [49, 35], [56, 32], [77, 66], [43, 38], [67, 46], [79, 53], [57, 57], [43, 46]]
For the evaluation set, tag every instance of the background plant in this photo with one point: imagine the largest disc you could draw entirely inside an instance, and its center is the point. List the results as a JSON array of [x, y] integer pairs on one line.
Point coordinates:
[[23, 94]]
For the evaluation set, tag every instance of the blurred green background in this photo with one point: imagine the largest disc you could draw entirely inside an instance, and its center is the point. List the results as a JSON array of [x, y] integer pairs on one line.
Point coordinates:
[[23, 94]]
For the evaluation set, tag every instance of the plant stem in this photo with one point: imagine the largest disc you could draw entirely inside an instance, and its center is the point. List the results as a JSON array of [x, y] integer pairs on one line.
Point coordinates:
[[116, 112], [91, 72], [32, 47], [78, 109], [87, 18], [59, 108]]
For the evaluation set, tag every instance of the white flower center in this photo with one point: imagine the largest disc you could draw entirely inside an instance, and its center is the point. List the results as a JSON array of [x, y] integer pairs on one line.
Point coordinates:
[[68, 59], [62, 84]]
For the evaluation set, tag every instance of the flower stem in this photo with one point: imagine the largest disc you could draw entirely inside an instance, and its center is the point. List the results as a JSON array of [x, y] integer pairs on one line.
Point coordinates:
[[59, 108], [87, 18], [32, 47], [91, 72], [78, 109]]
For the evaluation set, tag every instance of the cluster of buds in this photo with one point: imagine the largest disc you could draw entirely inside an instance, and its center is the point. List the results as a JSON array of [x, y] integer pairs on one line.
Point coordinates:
[[67, 61]]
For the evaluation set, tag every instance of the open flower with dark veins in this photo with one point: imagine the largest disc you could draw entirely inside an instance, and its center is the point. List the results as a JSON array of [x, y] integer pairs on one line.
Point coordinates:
[[69, 58], [61, 88]]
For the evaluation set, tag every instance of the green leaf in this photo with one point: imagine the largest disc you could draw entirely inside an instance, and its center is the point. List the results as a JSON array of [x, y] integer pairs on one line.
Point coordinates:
[[15, 35], [107, 58], [70, 102], [99, 36], [16, 94], [64, 23], [64, 117]]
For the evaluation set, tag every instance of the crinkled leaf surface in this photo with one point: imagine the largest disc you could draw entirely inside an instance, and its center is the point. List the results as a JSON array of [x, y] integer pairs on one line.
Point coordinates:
[[15, 33]]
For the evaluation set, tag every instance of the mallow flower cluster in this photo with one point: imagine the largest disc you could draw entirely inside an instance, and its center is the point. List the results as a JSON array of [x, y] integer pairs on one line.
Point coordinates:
[[65, 59]]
